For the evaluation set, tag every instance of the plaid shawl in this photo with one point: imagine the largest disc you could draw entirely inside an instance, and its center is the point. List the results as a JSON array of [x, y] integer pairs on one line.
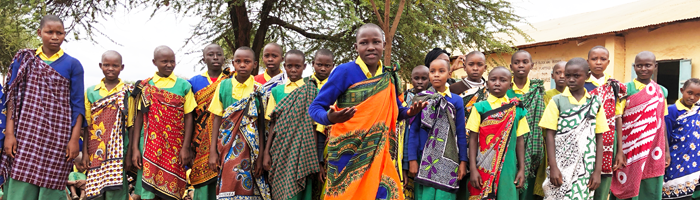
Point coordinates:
[[293, 151], [534, 143], [609, 93], [106, 143], [39, 99]]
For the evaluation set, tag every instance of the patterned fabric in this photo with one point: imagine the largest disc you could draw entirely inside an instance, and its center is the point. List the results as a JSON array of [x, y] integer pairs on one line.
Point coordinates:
[[293, 150], [494, 139], [682, 175], [360, 157], [472, 96], [39, 98], [534, 143], [201, 141], [274, 81], [403, 127], [238, 147], [643, 141], [106, 143], [575, 150], [610, 93], [440, 159], [163, 133]]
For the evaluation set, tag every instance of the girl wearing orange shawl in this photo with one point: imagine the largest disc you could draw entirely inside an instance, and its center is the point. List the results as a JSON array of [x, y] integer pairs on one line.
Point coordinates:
[[362, 143]]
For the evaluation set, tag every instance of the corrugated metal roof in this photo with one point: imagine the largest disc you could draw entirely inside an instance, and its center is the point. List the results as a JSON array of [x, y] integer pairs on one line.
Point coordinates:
[[615, 19]]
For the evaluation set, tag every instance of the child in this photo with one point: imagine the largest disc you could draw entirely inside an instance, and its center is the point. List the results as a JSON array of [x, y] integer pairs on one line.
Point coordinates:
[[203, 87], [109, 110], [272, 57], [76, 180], [164, 129], [420, 83], [560, 85], [574, 121], [323, 65], [236, 107], [531, 93], [641, 167], [611, 93], [495, 169], [48, 83], [438, 140], [366, 112], [293, 158], [682, 124]]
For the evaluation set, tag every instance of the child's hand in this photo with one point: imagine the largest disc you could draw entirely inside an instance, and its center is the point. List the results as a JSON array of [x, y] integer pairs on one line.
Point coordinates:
[[520, 179], [267, 161], [72, 149], [475, 179], [185, 157], [555, 177], [620, 161], [594, 181], [416, 108], [322, 172], [341, 116], [462, 171], [413, 168], [136, 159], [10, 146], [129, 164], [258, 169], [213, 161], [668, 158]]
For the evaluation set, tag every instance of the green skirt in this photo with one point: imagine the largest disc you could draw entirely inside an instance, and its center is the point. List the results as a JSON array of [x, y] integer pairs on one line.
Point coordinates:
[[205, 192], [18, 190], [423, 192]]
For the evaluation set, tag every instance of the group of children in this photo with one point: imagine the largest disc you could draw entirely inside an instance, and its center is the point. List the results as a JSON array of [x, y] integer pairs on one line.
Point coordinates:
[[350, 134]]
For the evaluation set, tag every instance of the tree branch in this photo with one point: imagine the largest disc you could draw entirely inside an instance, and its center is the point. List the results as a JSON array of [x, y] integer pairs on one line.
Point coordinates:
[[263, 27], [280, 22], [397, 18], [387, 9], [376, 12]]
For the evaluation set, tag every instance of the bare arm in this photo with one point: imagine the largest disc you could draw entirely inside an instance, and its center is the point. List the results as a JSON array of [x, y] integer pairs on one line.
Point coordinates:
[[520, 151], [10, 147], [213, 151], [620, 158], [267, 160], [185, 151], [136, 135]]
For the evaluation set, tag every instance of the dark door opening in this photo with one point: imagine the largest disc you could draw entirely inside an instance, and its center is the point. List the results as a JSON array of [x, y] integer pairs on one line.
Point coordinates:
[[667, 75]]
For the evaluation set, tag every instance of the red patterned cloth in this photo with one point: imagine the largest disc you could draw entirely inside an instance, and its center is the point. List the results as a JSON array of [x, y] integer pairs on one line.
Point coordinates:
[[201, 174], [644, 141], [163, 133], [609, 93], [42, 114]]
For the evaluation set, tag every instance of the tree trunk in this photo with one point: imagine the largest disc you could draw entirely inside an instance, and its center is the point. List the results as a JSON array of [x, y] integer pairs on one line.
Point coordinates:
[[242, 25], [261, 33]]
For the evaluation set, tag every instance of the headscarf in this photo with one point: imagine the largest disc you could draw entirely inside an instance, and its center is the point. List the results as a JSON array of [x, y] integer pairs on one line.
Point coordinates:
[[433, 54]]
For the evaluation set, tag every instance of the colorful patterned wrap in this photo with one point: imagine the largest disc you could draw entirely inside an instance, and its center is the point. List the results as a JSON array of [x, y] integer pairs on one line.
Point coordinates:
[[361, 151], [534, 141], [238, 147], [609, 93], [163, 133], [575, 150], [201, 140], [106, 143], [643, 141], [682, 175]]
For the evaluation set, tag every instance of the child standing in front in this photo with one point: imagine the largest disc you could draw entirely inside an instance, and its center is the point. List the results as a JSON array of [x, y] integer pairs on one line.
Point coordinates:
[[574, 121], [45, 108], [682, 127], [164, 128], [638, 172], [237, 126], [497, 127], [77, 179], [438, 140]]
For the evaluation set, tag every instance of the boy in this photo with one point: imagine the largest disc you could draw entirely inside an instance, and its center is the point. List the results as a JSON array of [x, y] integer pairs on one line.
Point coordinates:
[[441, 150], [45, 104], [76, 180], [420, 83], [109, 110], [560, 85], [495, 170], [273, 75], [366, 112], [236, 108], [611, 93], [681, 178], [574, 121], [164, 128], [203, 87], [292, 138], [641, 167], [531, 92]]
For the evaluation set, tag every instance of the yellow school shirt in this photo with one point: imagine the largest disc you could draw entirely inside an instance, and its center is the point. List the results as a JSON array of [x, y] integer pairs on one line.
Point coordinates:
[[266, 76], [525, 89], [319, 84], [680, 106], [639, 86], [54, 57], [445, 93], [599, 82], [104, 93], [550, 117], [549, 94], [289, 86], [240, 91], [206, 75], [474, 120], [365, 70], [168, 82]]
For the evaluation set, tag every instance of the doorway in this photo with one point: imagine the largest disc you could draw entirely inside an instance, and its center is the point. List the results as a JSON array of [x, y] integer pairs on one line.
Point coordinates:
[[668, 75]]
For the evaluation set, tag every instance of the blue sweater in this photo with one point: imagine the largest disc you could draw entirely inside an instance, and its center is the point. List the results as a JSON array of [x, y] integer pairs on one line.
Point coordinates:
[[673, 114], [338, 83], [418, 135], [71, 69]]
